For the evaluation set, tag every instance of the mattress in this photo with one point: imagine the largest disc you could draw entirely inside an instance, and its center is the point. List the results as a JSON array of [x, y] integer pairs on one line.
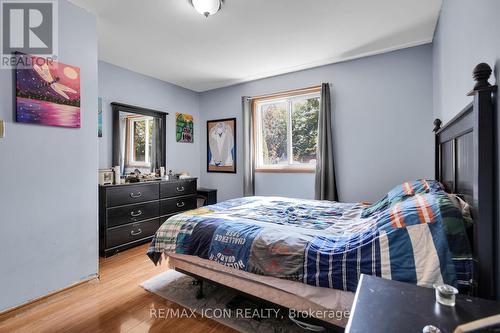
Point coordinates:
[[327, 304], [324, 244]]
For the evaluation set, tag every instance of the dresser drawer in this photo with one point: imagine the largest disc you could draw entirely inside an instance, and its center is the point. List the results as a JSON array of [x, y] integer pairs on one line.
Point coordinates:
[[129, 194], [177, 188], [175, 205], [131, 232], [132, 213]]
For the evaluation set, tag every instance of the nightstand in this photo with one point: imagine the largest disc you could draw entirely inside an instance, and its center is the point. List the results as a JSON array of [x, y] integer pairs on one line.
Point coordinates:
[[382, 306], [210, 195]]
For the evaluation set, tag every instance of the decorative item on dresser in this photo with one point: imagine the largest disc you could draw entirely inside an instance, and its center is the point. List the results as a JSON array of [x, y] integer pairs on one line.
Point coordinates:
[[130, 214]]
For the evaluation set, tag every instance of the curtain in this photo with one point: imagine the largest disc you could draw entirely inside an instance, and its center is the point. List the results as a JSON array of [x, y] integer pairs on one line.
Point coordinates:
[[325, 185], [124, 137], [156, 153], [248, 155]]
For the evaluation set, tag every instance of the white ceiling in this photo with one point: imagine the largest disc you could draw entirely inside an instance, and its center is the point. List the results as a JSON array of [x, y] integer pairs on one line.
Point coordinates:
[[252, 39]]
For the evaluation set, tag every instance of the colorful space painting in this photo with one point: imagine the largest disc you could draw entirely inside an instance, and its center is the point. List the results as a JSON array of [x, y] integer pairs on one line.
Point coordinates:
[[184, 125], [47, 92], [221, 145], [99, 117]]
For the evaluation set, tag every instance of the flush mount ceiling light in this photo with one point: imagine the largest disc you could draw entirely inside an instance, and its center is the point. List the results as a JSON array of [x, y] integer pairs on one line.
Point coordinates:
[[207, 7]]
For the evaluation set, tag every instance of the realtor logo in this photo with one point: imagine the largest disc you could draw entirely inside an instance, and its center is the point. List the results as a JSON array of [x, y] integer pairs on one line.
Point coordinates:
[[28, 27]]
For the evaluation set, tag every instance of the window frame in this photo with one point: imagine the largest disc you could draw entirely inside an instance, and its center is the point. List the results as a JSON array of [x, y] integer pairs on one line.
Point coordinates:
[[131, 156], [289, 98]]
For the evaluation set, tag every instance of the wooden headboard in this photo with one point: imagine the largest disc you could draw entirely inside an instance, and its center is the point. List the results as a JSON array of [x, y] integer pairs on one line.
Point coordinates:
[[465, 165]]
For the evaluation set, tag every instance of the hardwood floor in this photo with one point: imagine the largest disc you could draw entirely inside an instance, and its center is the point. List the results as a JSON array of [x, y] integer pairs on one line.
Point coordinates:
[[115, 303]]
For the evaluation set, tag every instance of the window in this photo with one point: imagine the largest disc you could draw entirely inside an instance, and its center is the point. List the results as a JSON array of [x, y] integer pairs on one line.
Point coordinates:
[[141, 134], [286, 132]]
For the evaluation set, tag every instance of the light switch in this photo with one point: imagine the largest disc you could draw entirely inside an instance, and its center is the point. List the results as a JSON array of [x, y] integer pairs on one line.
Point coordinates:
[[2, 129]]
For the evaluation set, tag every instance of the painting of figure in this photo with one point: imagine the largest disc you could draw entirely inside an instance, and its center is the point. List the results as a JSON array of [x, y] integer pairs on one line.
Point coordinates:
[[47, 92], [221, 142]]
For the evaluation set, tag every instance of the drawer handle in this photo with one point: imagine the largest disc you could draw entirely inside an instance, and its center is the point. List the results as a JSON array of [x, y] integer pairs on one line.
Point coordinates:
[[139, 231], [181, 204], [180, 189], [134, 214], [138, 195]]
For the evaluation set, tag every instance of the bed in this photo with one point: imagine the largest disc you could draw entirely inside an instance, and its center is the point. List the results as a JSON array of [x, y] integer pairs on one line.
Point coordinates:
[[309, 255]]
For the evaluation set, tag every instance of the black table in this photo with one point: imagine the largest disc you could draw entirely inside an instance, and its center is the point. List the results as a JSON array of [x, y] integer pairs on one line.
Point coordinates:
[[382, 306], [209, 194]]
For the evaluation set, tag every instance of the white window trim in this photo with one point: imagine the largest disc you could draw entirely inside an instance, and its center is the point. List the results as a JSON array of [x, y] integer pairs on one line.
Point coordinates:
[[133, 162], [259, 165]]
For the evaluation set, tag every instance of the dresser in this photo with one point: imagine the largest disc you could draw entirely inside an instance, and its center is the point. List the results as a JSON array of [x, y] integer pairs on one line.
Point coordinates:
[[130, 214]]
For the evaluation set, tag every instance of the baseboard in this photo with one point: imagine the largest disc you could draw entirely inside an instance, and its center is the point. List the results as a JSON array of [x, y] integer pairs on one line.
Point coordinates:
[[35, 301]]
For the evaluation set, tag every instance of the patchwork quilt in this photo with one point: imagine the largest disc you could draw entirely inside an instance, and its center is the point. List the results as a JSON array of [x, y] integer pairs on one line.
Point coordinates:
[[405, 237]]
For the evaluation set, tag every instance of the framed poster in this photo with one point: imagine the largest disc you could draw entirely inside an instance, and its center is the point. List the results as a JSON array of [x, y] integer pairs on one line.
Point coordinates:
[[99, 117], [221, 145]]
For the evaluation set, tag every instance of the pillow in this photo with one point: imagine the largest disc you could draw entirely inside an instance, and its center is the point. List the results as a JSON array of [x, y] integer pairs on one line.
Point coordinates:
[[464, 208], [455, 227]]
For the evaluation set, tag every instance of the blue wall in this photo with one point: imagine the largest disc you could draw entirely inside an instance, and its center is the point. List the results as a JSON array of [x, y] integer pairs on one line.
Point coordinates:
[[48, 198], [117, 84], [382, 118], [468, 33]]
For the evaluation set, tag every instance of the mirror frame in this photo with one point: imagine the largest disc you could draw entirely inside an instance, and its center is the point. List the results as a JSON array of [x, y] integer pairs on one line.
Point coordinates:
[[117, 107]]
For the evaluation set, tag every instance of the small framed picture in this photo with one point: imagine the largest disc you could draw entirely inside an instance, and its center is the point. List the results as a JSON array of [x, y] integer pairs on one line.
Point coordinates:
[[221, 145], [106, 177]]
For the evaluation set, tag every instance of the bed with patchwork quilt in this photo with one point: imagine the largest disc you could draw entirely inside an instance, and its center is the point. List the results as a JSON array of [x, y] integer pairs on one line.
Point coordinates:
[[415, 234]]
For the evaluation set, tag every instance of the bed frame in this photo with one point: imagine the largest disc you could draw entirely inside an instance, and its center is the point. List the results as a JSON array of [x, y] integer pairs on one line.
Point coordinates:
[[465, 165]]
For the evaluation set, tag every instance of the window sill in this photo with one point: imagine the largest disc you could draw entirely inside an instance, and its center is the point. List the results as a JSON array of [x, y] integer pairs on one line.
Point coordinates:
[[132, 165], [285, 170]]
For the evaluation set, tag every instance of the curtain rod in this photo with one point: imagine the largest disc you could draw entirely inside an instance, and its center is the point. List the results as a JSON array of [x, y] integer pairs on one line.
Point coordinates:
[[288, 92]]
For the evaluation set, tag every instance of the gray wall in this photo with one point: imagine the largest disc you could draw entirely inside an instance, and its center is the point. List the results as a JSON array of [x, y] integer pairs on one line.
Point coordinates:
[[48, 198], [118, 84], [468, 33], [382, 121], [294, 185]]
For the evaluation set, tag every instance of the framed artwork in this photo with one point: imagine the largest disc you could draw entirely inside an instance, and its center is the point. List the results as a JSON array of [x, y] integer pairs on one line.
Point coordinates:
[[99, 117], [184, 127], [47, 92], [221, 145]]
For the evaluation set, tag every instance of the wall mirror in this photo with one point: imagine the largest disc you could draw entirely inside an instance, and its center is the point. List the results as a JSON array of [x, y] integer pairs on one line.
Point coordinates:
[[138, 138]]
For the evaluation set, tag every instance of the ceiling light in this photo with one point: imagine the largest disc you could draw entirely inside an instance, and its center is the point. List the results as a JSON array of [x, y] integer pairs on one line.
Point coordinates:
[[207, 7]]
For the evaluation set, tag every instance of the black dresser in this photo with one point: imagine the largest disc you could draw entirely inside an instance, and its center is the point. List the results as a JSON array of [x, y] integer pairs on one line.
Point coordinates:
[[130, 214]]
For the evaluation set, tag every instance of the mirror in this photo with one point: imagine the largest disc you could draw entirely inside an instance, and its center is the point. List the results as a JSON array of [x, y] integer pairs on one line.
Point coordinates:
[[138, 138]]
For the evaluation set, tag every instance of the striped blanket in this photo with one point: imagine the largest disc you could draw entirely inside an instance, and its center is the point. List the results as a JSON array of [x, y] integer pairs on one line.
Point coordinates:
[[403, 237]]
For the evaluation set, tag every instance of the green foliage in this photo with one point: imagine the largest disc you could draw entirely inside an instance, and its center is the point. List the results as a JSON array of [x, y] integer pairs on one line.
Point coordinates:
[[304, 121], [305, 130], [140, 140], [274, 127]]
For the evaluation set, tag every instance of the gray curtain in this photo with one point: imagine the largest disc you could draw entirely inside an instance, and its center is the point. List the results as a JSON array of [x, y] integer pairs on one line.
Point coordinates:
[[248, 160], [156, 152], [325, 185], [123, 140]]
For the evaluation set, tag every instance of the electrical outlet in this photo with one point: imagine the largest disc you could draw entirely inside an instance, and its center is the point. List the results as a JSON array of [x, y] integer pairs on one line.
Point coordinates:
[[2, 129]]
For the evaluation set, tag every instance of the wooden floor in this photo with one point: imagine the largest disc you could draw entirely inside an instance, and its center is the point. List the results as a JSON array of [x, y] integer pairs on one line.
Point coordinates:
[[115, 303]]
